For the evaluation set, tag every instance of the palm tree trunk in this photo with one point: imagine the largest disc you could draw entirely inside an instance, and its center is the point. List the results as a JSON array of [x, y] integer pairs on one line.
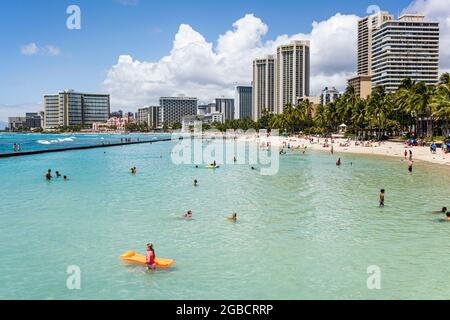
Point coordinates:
[[446, 126], [430, 131]]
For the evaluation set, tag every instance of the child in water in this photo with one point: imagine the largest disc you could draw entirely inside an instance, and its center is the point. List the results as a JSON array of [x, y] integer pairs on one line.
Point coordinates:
[[382, 197], [150, 261], [447, 218], [188, 215]]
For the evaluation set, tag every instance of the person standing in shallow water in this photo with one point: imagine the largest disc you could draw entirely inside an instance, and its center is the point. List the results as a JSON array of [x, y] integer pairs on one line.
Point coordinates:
[[48, 175], [410, 166], [151, 256], [382, 197]]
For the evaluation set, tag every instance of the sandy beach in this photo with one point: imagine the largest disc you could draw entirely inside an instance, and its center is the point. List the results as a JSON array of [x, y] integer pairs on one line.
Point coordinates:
[[341, 146]]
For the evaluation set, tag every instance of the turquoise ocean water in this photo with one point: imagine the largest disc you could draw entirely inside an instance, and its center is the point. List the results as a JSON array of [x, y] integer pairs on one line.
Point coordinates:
[[309, 232], [33, 142]]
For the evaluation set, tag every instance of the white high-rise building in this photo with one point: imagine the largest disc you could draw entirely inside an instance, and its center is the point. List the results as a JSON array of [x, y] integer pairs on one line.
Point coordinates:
[[292, 75], [150, 116], [366, 27], [70, 108], [405, 48], [263, 86]]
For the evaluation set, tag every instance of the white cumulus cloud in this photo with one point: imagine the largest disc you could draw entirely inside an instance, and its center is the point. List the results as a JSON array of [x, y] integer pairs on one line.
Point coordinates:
[[32, 49], [196, 67], [29, 49]]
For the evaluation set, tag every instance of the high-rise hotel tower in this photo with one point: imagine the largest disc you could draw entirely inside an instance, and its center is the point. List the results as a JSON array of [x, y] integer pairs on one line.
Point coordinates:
[[366, 27], [405, 48], [292, 76], [391, 50], [263, 86]]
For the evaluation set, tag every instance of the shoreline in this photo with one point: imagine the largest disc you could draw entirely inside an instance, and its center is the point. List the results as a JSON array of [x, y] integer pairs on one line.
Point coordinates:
[[385, 149]]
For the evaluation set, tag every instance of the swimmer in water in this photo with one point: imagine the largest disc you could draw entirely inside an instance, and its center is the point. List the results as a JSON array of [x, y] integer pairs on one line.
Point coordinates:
[[382, 197], [447, 218], [133, 170], [442, 211], [48, 175], [188, 215], [58, 175], [195, 183], [66, 178], [338, 163], [233, 217]]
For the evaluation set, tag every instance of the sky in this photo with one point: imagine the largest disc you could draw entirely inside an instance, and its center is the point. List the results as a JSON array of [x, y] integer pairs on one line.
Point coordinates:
[[139, 50]]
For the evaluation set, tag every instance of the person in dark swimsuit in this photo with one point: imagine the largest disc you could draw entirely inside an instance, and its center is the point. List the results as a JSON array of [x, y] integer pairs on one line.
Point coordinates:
[[382, 197]]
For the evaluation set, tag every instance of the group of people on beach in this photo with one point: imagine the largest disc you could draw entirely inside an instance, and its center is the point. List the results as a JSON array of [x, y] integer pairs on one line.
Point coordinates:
[[49, 176]]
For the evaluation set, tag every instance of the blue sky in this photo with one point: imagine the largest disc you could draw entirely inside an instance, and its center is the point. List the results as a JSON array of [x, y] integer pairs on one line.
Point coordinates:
[[144, 30]]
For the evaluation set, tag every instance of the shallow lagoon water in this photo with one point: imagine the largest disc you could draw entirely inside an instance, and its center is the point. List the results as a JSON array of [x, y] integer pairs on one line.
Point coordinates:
[[309, 232], [34, 142]]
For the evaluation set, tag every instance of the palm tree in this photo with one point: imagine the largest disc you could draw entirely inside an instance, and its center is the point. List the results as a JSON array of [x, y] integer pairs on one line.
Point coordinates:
[[445, 78], [421, 99], [358, 117], [377, 109], [346, 104], [440, 103]]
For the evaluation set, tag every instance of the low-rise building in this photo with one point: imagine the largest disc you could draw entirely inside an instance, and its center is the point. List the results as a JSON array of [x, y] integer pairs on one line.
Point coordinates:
[[113, 124], [362, 86], [150, 116], [15, 123], [329, 94]]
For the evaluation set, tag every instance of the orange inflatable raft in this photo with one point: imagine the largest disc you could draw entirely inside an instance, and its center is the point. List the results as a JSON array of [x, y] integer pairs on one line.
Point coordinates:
[[134, 257]]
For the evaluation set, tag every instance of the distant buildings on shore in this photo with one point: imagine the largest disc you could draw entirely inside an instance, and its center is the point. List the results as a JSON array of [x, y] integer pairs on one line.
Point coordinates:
[[32, 121], [390, 51], [282, 79], [150, 117], [173, 109], [70, 108], [263, 86], [329, 94], [243, 102]]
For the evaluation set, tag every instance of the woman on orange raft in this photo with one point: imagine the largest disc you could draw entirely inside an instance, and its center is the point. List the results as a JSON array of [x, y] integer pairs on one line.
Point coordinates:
[[151, 256]]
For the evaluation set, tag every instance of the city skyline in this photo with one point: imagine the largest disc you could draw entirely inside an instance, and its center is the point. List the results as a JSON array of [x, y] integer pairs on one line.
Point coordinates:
[[261, 35]]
